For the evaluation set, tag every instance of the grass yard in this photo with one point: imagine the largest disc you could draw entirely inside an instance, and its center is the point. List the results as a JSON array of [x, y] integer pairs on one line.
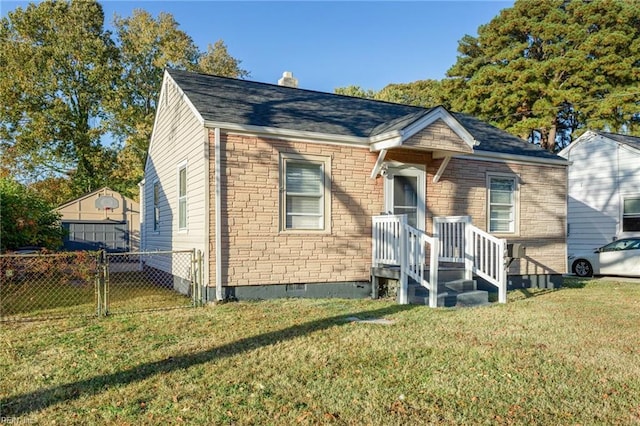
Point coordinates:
[[133, 291], [128, 291], [570, 356], [47, 299]]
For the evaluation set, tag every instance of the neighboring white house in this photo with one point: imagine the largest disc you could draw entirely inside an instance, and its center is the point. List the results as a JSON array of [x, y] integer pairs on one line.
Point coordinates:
[[604, 189]]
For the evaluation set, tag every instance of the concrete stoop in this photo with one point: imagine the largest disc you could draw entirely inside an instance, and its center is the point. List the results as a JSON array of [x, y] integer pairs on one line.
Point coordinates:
[[456, 293], [453, 289]]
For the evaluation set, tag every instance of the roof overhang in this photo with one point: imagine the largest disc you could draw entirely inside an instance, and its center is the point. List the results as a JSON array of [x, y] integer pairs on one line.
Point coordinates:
[[302, 135], [440, 113], [395, 139], [514, 158], [590, 136], [586, 136]]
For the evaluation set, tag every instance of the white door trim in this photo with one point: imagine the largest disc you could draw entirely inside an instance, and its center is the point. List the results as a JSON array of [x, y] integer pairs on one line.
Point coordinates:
[[413, 170]]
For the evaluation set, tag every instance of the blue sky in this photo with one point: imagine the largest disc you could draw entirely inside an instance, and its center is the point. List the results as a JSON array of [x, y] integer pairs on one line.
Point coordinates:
[[327, 44]]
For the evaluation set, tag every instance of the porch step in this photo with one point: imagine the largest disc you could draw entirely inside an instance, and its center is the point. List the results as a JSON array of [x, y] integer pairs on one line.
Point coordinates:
[[459, 293], [461, 285], [473, 298]]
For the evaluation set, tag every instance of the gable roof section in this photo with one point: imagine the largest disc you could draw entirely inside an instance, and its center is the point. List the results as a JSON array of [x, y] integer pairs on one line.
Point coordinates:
[[493, 140], [439, 136], [632, 142], [221, 100], [104, 189], [250, 103]]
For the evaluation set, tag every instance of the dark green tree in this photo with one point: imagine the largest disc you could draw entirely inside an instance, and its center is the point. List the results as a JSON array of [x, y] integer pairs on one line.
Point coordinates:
[[26, 219], [356, 91], [545, 69], [57, 64], [425, 93]]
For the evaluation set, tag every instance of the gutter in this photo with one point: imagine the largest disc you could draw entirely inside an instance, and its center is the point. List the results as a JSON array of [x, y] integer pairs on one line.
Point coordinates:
[[141, 218], [523, 159], [207, 220], [301, 135]]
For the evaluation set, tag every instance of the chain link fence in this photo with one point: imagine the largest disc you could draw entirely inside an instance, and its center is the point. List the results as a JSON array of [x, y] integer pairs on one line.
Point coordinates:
[[41, 286], [149, 280]]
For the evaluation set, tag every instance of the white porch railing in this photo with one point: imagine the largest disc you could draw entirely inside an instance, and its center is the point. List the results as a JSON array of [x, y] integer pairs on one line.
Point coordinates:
[[386, 239], [488, 254], [482, 253], [413, 264], [396, 243], [454, 240]]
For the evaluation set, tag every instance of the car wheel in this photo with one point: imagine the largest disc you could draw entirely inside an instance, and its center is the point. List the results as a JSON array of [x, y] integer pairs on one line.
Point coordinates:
[[582, 268]]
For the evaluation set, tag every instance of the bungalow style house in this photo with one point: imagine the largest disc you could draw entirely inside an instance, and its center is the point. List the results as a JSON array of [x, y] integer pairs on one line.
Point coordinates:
[[297, 193], [603, 202]]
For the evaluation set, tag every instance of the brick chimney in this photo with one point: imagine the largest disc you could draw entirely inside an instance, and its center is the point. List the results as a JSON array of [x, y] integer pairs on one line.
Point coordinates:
[[288, 80]]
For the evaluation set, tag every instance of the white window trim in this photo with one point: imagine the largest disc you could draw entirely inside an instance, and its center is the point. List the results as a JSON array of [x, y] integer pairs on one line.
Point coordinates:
[[622, 233], [155, 226], [516, 202], [326, 214], [182, 165]]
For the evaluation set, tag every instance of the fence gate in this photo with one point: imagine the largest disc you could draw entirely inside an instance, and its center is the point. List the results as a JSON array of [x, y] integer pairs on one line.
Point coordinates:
[[149, 280], [41, 286]]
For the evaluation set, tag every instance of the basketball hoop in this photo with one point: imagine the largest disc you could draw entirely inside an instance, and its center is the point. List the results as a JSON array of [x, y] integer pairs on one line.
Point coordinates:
[[107, 202]]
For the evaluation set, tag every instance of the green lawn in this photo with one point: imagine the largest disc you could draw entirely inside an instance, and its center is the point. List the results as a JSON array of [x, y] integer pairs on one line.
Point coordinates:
[[570, 356], [45, 298]]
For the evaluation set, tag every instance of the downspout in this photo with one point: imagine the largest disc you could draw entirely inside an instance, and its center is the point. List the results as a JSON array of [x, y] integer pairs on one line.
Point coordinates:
[[218, 213], [141, 221], [204, 284]]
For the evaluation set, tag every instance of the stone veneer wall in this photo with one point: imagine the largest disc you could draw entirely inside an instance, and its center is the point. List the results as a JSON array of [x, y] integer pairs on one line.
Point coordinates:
[[462, 190], [256, 251], [542, 208]]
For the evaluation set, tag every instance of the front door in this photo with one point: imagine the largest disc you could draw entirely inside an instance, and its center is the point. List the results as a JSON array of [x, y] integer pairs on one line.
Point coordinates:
[[404, 193]]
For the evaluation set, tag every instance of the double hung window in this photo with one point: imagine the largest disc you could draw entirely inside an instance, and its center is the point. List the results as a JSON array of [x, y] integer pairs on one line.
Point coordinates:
[[631, 215], [182, 197], [502, 204], [305, 192], [156, 206]]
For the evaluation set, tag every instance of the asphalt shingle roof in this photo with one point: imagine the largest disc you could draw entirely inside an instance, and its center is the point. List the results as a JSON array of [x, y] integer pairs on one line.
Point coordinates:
[[252, 103], [629, 140]]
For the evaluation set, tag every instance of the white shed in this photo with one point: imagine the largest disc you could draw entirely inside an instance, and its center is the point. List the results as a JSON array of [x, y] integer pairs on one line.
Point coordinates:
[[603, 189]]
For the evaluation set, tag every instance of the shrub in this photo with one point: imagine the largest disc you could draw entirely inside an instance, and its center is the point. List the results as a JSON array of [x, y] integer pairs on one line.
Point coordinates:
[[26, 219]]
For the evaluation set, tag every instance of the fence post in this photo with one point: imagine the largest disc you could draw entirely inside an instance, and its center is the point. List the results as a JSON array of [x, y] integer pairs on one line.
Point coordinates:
[[194, 278], [101, 284], [105, 282], [200, 278], [98, 284]]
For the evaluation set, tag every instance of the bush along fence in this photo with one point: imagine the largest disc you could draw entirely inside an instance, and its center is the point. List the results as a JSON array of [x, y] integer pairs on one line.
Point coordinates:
[[40, 286]]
